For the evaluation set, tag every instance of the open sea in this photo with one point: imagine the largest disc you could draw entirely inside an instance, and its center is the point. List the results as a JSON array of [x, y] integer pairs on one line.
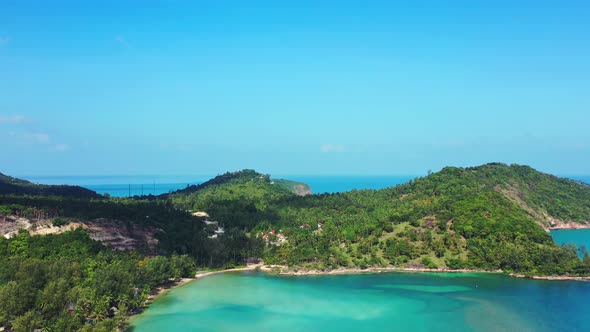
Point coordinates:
[[123, 186]]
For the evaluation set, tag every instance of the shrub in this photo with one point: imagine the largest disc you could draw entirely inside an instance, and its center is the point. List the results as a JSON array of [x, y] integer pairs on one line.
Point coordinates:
[[60, 222], [455, 263], [429, 263]]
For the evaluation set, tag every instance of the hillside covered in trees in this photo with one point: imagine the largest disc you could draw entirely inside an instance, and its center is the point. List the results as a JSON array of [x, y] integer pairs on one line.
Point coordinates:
[[489, 217], [68, 282]]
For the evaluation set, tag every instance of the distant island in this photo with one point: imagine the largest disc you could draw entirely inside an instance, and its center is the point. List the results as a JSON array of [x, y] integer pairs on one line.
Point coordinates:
[[71, 259]]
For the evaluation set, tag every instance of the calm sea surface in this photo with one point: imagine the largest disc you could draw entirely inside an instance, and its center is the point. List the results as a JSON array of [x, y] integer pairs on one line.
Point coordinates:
[[578, 237], [122, 186], [253, 301]]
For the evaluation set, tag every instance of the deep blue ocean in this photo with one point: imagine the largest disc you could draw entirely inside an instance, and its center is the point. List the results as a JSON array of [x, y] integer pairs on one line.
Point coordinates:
[[124, 185]]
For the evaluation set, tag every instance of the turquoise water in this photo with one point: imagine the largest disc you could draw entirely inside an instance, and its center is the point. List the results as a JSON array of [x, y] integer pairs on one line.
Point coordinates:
[[254, 301], [578, 237]]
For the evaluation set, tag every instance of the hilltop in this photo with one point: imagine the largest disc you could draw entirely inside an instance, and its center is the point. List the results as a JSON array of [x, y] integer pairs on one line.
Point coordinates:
[[244, 178], [10, 185], [237, 199]]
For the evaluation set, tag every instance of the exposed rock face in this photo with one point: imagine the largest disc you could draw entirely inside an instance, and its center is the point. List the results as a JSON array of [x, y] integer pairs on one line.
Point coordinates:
[[113, 233], [10, 225], [119, 236], [560, 224], [540, 216], [302, 190]]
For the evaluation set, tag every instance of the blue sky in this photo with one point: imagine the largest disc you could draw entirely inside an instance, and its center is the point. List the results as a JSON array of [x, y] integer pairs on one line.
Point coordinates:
[[302, 87]]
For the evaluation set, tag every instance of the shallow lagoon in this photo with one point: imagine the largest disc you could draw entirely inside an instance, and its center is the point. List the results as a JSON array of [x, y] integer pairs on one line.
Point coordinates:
[[255, 301]]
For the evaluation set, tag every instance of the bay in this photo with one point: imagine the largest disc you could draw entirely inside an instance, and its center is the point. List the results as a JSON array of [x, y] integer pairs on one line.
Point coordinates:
[[255, 301]]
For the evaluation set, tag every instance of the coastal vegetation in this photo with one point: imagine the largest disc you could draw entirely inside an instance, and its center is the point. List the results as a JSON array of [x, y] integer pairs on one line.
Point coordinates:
[[68, 282], [491, 217]]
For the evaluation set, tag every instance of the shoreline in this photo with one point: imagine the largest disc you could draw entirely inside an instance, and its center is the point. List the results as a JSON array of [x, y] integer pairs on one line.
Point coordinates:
[[550, 278], [167, 287], [289, 271], [163, 289], [568, 227], [252, 267]]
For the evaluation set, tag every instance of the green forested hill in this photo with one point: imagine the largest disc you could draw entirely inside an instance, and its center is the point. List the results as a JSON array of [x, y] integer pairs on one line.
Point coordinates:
[[488, 217], [457, 218], [237, 199], [245, 184], [10, 185]]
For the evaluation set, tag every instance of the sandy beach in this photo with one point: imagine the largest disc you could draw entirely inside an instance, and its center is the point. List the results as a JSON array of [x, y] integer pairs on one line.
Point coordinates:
[[285, 270], [252, 267], [163, 289], [160, 290]]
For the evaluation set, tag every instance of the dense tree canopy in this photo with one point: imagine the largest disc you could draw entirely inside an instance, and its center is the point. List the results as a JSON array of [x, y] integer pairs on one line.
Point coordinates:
[[68, 282], [485, 217]]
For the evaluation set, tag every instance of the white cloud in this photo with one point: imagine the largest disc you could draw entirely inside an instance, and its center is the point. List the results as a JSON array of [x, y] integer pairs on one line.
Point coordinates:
[[13, 118], [122, 41], [332, 148], [60, 148], [36, 138], [24, 136]]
